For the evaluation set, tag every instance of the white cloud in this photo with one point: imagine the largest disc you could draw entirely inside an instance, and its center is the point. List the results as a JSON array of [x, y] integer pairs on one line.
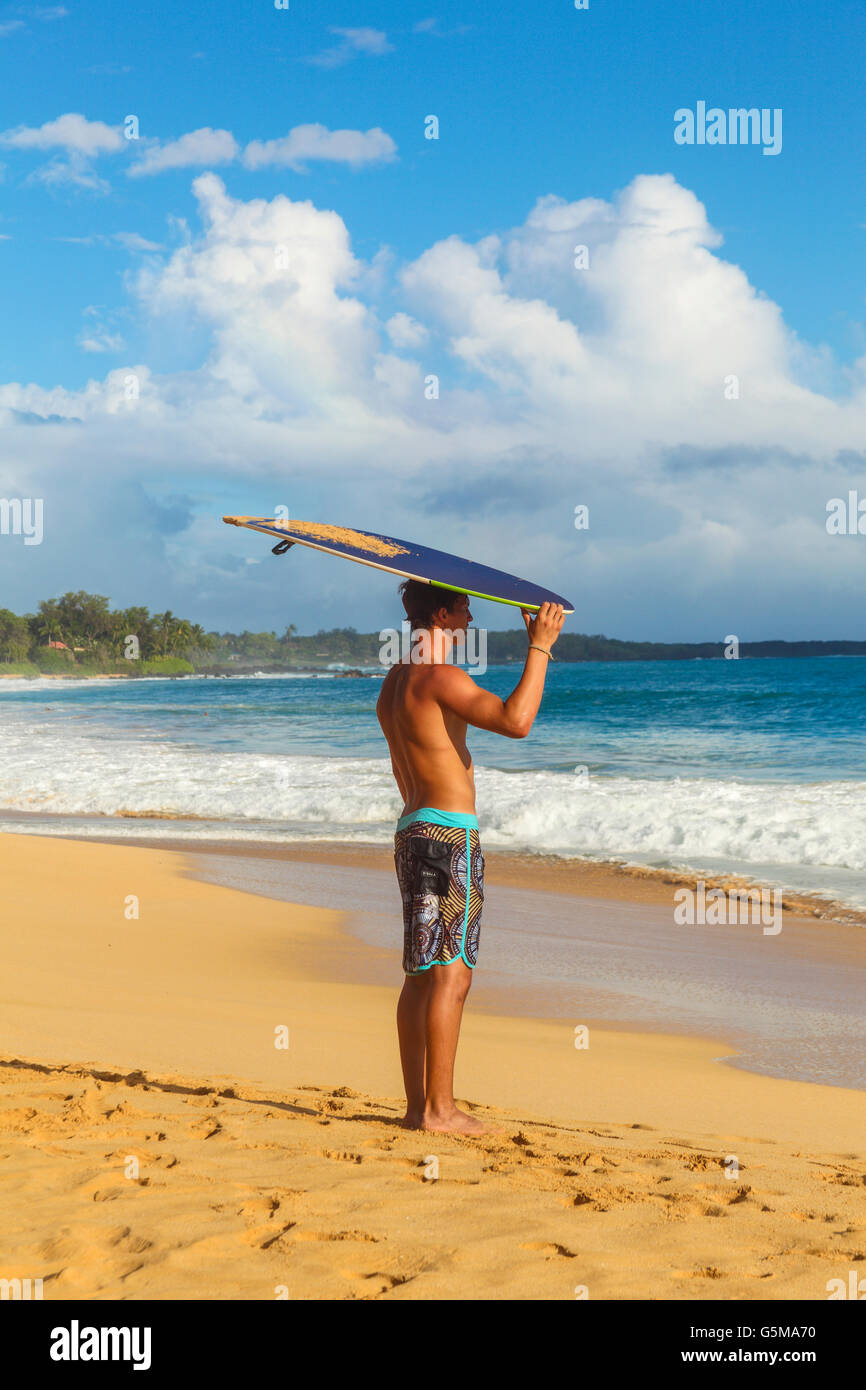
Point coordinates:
[[76, 172], [406, 332], [558, 386], [431, 26], [204, 146], [308, 142], [373, 42], [71, 132], [100, 340], [39, 12], [98, 335], [132, 241], [81, 139]]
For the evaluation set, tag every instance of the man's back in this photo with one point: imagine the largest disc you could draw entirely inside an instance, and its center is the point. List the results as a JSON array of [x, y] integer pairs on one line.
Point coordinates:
[[427, 740]]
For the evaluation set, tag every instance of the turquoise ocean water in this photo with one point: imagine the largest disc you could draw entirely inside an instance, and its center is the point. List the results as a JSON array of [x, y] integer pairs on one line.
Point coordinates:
[[755, 766]]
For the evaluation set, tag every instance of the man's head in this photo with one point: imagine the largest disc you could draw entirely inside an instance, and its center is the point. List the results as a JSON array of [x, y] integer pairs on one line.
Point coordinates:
[[429, 606]]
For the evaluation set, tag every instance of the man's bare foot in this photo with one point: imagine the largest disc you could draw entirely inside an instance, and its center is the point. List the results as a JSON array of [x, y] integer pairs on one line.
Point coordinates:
[[454, 1121], [413, 1119]]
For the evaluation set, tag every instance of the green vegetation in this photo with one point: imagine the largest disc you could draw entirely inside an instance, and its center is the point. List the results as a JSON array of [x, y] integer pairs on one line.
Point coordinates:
[[133, 642], [18, 668], [79, 634]]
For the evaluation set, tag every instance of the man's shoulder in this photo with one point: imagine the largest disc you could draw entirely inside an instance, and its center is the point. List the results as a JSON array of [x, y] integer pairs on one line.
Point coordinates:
[[446, 674], [447, 682]]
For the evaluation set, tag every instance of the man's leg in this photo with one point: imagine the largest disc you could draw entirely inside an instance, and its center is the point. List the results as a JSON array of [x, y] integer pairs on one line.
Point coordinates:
[[412, 1032], [450, 987]]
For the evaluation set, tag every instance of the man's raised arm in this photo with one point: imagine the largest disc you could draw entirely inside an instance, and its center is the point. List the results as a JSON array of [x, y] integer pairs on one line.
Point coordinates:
[[514, 717]]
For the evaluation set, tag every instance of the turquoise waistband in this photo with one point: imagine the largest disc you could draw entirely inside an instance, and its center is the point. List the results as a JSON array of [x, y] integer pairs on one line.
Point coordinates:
[[434, 817]]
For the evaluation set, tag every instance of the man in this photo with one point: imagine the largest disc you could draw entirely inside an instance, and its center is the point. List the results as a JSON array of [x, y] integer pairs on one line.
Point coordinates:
[[424, 708]]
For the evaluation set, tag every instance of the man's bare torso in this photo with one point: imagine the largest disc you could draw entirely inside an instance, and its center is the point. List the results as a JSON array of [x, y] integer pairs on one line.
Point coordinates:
[[431, 762]]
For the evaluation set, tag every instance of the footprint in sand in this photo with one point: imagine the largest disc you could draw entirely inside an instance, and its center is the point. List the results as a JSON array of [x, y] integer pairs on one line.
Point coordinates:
[[376, 1282], [550, 1248], [255, 1208], [327, 1237], [205, 1128]]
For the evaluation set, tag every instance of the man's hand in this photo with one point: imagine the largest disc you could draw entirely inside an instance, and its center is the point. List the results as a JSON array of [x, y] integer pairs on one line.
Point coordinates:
[[546, 626]]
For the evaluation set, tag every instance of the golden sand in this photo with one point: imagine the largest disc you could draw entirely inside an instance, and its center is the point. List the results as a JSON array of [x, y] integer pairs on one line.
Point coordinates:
[[157, 1143]]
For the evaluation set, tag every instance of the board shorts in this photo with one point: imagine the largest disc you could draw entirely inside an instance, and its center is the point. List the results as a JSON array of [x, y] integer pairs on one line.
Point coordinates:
[[440, 870]]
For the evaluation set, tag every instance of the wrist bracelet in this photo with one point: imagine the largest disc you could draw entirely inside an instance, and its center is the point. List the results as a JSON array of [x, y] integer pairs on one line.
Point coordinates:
[[534, 648]]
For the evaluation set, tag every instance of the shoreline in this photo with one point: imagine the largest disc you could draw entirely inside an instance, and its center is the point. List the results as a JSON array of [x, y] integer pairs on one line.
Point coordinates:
[[609, 878]]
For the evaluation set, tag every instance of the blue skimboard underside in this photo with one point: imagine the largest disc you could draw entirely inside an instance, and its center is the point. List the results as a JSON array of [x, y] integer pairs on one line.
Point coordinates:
[[407, 560]]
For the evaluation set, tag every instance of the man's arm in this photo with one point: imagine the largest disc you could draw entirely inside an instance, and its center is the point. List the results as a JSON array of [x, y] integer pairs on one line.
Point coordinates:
[[514, 717]]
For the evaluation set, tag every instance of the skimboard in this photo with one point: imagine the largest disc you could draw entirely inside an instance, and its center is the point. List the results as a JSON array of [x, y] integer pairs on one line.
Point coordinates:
[[405, 559]]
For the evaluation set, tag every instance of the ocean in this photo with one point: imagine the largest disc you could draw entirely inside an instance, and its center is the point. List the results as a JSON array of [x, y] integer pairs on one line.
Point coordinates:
[[751, 766]]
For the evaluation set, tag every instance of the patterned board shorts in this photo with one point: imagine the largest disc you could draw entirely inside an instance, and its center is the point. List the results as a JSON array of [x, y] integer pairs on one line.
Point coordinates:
[[440, 870]]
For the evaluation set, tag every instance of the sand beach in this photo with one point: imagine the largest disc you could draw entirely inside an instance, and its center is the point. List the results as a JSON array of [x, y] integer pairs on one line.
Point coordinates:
[[200, 1098]]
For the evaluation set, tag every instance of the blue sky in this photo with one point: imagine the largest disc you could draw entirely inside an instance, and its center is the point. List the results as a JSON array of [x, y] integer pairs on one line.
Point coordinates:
[[450, 257]]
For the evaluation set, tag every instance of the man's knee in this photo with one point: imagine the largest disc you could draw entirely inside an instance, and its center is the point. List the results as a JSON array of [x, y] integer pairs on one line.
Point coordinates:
[[453, 979]]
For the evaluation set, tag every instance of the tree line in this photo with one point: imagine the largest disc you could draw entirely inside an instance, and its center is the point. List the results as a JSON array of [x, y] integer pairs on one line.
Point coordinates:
[[81, 629]]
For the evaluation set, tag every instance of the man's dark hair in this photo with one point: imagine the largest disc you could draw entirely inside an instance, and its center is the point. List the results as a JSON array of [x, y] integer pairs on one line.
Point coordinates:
[[421, 601]]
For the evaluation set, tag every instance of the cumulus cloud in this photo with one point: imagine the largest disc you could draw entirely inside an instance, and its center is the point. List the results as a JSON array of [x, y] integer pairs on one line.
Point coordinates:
[[317, 142], [71, 132], [81, 139], [604, 383], [353, 42], [204, 146]]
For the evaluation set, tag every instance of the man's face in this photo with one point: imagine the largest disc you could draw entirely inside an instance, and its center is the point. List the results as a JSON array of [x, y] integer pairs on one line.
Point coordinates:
[[456, 619]]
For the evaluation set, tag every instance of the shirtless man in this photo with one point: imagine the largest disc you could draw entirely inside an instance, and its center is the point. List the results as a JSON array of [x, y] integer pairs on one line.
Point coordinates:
[[424, 708]]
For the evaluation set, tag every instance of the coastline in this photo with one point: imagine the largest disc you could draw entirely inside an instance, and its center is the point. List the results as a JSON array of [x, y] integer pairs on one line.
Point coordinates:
[[606, 878], [154, 1036]]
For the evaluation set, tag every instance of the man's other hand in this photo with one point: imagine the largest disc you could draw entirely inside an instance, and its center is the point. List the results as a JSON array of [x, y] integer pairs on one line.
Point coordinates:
[[545, 627]]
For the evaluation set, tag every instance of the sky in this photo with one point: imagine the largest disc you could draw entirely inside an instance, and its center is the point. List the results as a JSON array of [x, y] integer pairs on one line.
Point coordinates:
[[238, 274]]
